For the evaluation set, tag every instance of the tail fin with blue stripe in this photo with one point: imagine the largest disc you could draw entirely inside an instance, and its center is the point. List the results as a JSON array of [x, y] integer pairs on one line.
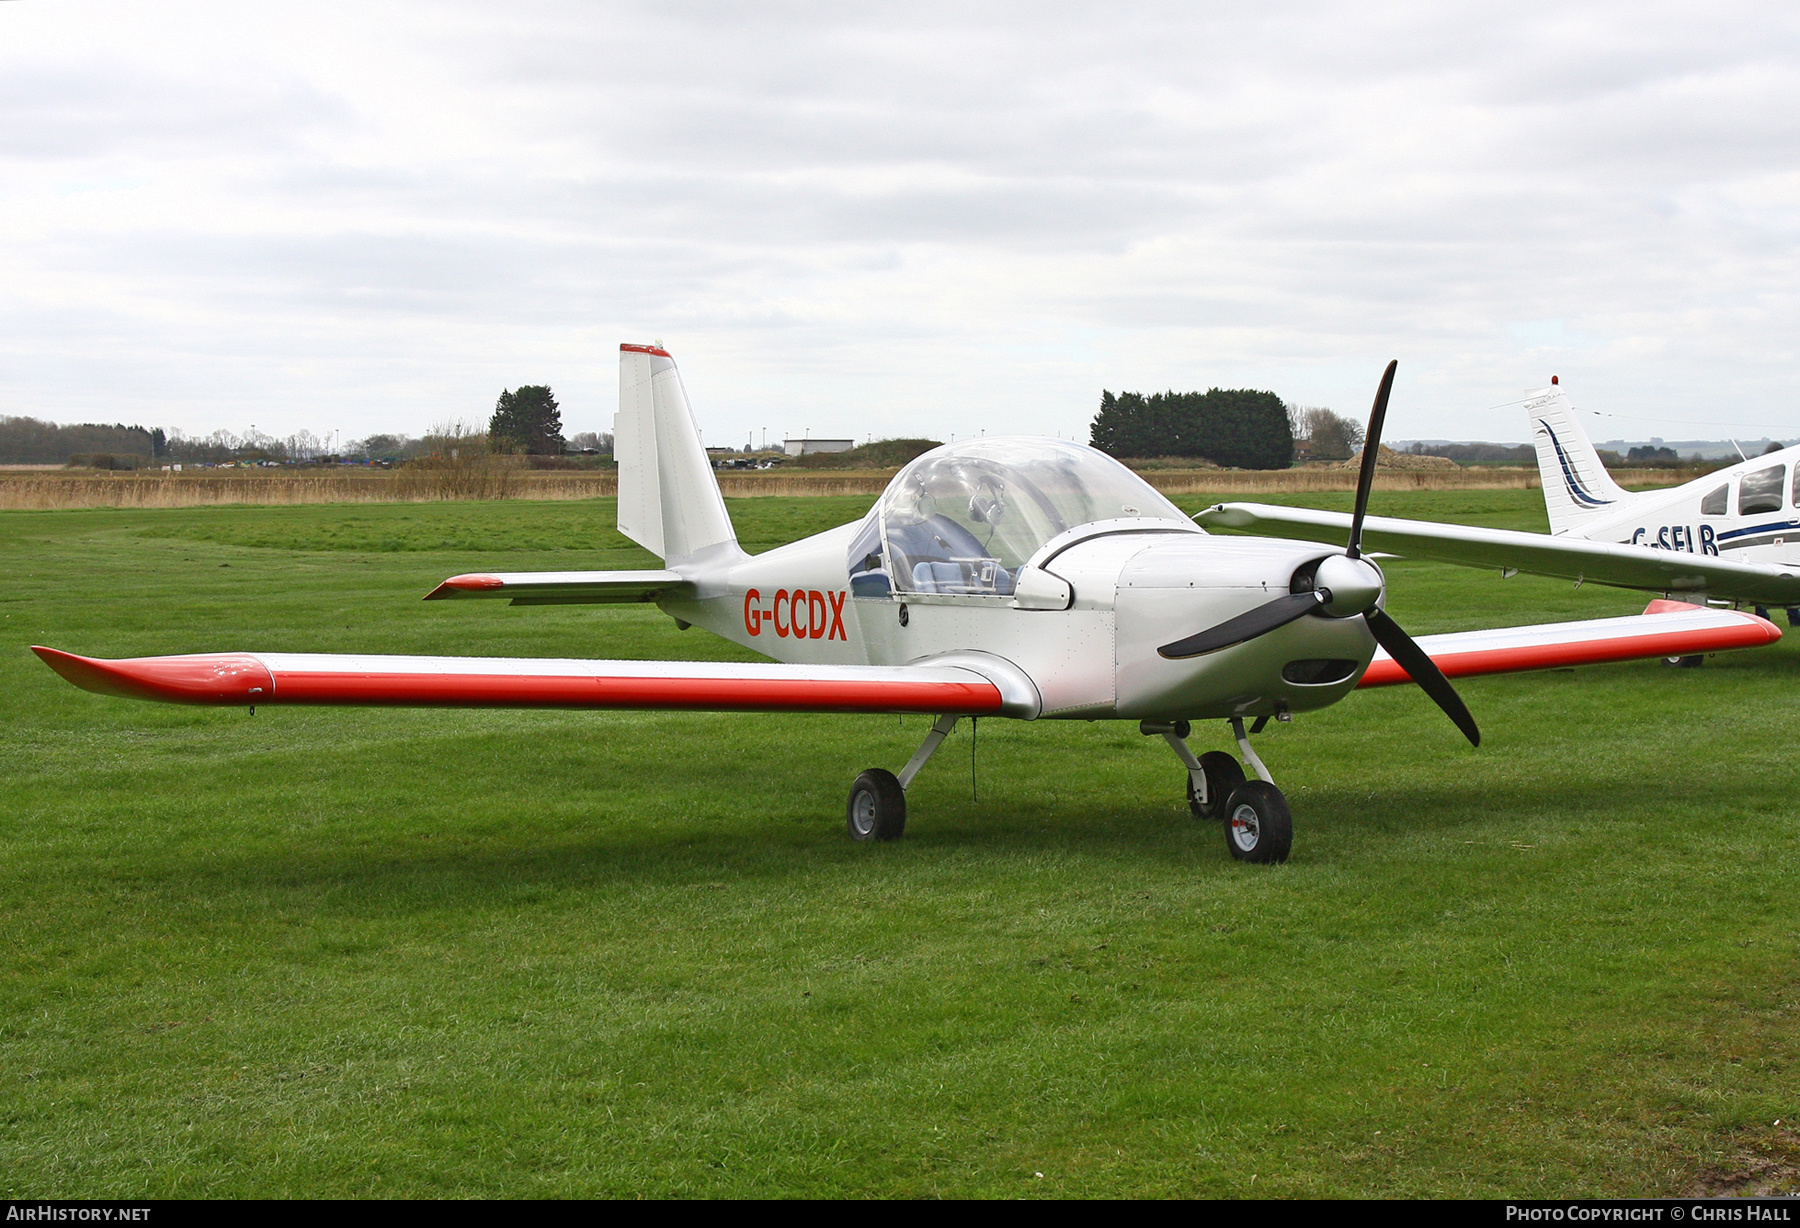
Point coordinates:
[[1577, 489]]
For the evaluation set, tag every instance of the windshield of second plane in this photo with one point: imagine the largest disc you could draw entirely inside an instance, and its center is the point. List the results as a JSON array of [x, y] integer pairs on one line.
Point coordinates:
[[964, 518]]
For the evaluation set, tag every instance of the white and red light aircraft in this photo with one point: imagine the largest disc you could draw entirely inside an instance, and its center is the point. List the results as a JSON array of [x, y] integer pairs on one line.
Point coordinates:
[[1023, 577], [1731, 536]]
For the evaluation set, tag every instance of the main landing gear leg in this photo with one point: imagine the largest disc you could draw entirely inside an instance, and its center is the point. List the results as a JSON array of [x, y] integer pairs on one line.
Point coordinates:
[[877, 809]]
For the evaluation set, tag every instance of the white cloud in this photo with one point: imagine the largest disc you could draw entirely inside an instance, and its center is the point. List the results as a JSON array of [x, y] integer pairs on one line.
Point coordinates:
[[872, 221]]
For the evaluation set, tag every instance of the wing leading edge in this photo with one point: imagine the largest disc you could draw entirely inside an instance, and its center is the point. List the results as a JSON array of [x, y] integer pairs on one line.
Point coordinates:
[[1664, 629], [968, 683], [249, 679], [1569, 558]]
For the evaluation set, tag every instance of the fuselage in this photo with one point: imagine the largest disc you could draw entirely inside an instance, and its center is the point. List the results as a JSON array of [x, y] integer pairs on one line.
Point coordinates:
[[967, 553], [1749, 512]]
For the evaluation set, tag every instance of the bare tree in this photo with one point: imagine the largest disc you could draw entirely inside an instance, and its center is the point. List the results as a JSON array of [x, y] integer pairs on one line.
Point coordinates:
[[1331, 436]]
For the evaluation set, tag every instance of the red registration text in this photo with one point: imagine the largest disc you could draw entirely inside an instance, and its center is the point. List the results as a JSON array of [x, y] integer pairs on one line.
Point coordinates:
[[805, 614]]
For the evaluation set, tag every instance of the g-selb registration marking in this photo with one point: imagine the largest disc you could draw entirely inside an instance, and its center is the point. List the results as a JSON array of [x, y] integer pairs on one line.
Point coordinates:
[[1677, 537]]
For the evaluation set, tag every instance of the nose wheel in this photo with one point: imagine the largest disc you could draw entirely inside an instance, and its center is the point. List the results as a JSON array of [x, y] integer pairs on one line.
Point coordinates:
[[1220, 774], [1258, 825]]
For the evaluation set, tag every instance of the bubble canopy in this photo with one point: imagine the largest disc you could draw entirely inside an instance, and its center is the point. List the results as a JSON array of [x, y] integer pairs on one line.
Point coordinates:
[[965, 517]]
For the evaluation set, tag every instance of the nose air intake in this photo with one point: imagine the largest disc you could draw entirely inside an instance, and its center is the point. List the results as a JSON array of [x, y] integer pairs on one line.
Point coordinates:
[[1341, 586]]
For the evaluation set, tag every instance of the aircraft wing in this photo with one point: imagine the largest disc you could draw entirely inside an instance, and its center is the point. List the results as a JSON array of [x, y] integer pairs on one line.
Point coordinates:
[[1571, 558], [247, 679], [563, 587], [1664, 629]]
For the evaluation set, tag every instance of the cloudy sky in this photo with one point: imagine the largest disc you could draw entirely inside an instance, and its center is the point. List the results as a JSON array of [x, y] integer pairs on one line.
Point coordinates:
[[906, 219]]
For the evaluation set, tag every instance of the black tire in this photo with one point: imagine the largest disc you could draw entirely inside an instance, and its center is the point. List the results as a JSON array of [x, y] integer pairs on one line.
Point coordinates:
[[877, 807], [1684, 662], [1223, 775], [1258, 824]]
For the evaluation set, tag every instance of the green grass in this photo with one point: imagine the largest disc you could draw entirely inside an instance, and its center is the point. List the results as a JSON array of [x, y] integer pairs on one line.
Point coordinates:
[[342, 952]]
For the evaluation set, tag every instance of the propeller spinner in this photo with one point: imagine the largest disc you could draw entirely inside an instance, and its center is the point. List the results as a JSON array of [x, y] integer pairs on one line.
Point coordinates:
[[1342, 586]]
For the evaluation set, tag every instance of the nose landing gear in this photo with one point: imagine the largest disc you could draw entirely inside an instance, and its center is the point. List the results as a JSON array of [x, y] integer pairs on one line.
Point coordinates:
[[1220, 774], [1258, 824]]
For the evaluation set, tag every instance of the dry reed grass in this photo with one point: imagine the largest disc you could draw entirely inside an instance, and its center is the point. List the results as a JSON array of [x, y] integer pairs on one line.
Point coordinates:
[[501, 479]]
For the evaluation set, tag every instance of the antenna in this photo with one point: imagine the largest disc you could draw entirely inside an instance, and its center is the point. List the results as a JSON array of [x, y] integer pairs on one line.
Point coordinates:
[[1739, 447]]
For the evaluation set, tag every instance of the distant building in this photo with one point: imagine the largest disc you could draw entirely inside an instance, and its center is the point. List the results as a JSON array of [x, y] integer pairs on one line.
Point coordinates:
[[806, 447]]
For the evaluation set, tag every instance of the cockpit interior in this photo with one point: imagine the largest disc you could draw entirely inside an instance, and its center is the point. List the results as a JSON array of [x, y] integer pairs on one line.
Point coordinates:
[[962, 519]]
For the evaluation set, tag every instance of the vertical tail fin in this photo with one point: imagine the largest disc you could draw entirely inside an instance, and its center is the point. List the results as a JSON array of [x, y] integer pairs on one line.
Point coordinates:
[[1577, 488], [669, 502]]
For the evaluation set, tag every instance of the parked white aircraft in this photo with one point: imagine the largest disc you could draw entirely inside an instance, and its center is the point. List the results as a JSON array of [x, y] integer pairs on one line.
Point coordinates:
[[1731, 536], [1024, 577]]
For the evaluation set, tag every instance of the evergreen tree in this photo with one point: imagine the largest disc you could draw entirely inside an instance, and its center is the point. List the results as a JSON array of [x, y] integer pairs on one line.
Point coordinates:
[[1237, 427], [527, 420]]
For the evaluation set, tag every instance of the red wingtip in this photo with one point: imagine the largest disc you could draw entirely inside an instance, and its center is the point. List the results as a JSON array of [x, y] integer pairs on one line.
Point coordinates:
[[1663, 605], [472, 583], [209, 678]]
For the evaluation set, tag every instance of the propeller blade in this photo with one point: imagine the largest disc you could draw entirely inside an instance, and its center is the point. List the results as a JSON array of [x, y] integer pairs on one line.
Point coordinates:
[[1247, 626], [1365, 479], [1422, 669]]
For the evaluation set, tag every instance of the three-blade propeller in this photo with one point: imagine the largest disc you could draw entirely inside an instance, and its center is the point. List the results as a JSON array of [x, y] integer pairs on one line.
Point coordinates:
[[1343, 587]]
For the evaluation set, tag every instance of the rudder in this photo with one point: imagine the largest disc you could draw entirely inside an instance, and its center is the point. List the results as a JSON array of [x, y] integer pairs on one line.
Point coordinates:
[[669, 501], [1577, 488]]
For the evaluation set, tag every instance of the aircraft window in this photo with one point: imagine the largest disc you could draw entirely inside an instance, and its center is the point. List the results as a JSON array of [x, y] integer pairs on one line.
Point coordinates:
[[1715, 503], [868, 567], [964, 518], [1761, 491]]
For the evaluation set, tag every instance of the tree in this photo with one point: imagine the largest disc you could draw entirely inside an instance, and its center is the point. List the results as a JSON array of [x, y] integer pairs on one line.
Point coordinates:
[[527, 420], [1123, 427], [380, 447], [1333, 436], [1240, 427]]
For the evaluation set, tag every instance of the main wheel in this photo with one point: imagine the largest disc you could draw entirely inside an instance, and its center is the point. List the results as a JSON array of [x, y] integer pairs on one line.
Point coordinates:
[[1258, 825], [1684, 662], [1223, 774], [877, 809]]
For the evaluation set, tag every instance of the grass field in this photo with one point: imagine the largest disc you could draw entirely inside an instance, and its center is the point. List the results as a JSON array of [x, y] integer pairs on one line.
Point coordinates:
[[38, 490], [342, 952]]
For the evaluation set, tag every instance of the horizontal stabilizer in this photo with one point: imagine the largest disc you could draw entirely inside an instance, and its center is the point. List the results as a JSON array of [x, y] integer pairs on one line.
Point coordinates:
[[254, 679], [564, 587], [1569, 558], [1665, 629]]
